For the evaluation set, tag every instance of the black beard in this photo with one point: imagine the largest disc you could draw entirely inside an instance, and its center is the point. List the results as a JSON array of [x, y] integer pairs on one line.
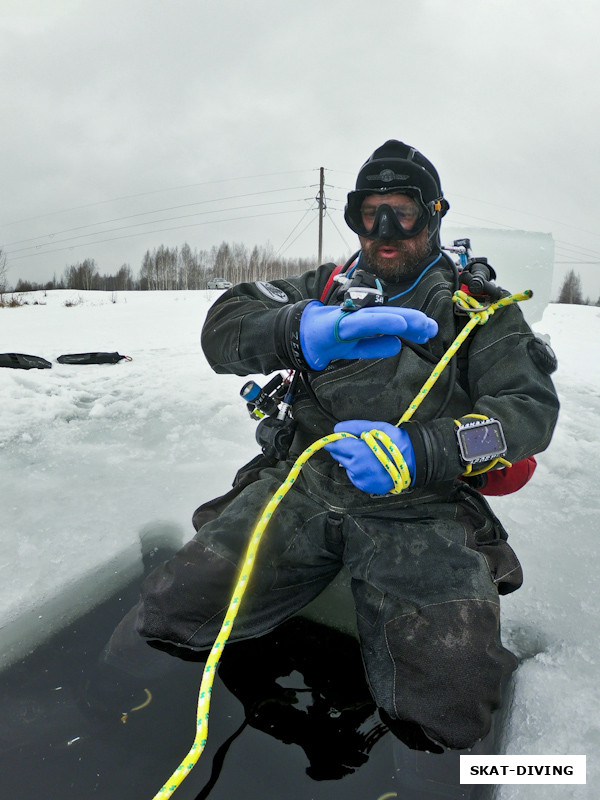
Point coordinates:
[[393, 270]]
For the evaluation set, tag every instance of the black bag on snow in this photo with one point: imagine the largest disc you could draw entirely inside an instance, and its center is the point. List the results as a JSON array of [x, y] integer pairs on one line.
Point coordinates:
[[23, 361], [91, 358]]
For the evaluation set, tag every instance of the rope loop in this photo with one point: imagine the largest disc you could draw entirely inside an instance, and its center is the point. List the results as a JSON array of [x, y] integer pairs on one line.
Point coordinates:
[[389, 457], [467, 304]]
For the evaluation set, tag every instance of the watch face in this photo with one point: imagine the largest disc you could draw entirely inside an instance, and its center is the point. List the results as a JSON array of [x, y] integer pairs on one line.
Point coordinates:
[[481, 441]]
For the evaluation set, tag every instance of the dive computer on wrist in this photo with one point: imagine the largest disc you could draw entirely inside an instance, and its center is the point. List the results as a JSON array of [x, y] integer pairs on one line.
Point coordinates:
[[480, 441]]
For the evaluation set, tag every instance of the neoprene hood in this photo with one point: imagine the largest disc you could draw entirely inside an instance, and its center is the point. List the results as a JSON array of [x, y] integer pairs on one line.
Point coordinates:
[[398, 167]]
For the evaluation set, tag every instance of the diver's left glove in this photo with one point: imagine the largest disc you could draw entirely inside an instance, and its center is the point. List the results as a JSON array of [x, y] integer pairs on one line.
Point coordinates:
[[362, 466]]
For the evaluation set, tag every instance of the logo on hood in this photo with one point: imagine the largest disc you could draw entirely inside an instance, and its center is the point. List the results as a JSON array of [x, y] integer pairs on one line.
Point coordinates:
[[387, 176]]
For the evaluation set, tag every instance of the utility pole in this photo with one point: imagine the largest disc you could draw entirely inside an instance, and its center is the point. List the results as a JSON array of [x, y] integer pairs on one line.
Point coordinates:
[[322, 207]]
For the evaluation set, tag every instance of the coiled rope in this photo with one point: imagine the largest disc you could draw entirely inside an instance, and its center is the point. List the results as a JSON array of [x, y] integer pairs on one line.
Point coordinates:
[[398, 471]]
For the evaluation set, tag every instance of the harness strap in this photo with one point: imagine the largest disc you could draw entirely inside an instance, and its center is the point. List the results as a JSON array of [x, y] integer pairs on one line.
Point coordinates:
[[329, 284]]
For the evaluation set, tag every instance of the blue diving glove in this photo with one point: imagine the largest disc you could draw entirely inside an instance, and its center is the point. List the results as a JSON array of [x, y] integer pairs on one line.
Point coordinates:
[[327, 332], [363, 467]]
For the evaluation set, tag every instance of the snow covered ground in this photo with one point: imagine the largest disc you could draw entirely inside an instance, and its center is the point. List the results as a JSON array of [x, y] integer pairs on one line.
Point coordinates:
[[95, 458]]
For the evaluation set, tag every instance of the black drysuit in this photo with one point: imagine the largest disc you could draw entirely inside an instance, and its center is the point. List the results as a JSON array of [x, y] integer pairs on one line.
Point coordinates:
[[427, 565]]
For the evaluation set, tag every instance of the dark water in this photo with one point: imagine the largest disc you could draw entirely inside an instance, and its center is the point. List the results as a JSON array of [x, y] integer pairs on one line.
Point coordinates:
[[291, 718]]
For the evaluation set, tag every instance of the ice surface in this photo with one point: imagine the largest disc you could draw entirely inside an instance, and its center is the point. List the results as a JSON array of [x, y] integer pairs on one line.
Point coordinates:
[[91, 457], [94, 457]]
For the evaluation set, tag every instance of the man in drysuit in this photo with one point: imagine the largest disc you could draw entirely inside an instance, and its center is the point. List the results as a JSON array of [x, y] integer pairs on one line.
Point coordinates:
[[428, 564]]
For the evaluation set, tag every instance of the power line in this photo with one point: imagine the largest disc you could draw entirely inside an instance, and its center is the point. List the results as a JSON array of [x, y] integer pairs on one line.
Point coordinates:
[[527, 213], [299, 235], [149, 222], [560, 246], [483, 219], [300, 221], [154, 211], [330, 218], [154, 191], [146, 233]]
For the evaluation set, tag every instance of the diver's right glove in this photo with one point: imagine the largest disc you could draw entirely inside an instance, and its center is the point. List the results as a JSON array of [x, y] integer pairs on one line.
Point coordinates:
[[328, 332]]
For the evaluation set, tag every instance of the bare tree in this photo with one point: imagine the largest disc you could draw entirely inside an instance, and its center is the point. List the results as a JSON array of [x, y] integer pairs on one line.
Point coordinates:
[[83, 275], [147, 272], [124, 278], [570, 291], [3, 271]]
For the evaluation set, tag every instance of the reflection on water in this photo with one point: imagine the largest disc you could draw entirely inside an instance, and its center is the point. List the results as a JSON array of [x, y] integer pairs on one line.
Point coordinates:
[[291, 717], [304, 684]]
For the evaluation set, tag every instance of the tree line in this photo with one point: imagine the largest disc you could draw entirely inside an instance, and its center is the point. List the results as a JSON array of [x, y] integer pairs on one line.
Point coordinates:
[[166, 268]]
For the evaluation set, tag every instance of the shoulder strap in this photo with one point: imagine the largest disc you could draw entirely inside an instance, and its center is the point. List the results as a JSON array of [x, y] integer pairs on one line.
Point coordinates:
[[328, 290], [335, 271]]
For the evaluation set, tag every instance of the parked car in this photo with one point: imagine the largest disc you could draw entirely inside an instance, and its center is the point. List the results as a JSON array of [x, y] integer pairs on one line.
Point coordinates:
[[219, 283]]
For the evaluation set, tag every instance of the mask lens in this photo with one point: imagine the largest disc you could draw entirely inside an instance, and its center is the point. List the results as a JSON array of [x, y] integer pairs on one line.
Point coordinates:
[[385, 216], [406, 215]]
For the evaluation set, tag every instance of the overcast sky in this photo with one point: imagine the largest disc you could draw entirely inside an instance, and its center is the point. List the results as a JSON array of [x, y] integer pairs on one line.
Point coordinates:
[[130, 124]]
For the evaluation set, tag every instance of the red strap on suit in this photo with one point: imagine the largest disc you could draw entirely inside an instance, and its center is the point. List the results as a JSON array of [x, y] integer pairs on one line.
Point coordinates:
[[509, 479]]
